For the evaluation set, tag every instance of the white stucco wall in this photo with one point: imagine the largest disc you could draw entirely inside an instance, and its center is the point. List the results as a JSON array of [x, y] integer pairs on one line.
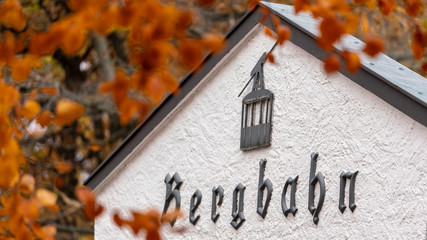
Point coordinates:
[[352, 129]]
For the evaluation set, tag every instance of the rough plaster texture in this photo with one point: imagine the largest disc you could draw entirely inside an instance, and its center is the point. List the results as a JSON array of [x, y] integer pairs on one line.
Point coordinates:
[[352, 129]]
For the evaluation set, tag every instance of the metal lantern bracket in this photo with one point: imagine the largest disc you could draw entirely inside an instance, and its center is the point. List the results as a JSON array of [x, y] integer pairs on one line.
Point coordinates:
[[257, 109]]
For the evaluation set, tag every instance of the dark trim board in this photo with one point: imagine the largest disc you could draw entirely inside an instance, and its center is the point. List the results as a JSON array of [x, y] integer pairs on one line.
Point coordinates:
[[370, 80]]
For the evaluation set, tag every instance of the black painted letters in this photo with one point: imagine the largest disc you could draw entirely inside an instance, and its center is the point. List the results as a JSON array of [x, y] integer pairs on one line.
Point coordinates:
[[171, 194], [195, 201], [312, 186], [237, 212], [343, 179], [219, 191], [292, 209], [262, 185]]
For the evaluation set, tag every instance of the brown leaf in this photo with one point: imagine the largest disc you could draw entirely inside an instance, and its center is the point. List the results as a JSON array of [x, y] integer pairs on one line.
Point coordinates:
[[424, 67], [87, 198], [418, 44], [332, 64], [386, 6], [283, 34], [206, 3], [45, 118], [374, 45], [270, 57], [413, 7]]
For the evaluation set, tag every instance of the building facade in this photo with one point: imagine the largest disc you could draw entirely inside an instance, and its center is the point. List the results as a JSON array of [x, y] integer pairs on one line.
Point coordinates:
[[345, 159]]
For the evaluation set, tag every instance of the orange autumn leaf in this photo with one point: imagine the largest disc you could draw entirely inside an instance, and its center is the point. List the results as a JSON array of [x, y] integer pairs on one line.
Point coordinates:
[[148, 221], [74, 40], [27, 184], [268, 32], [283, 34], [213, 42], [337, 6], [94, 148], [351, 23], [127, 15], [7, 45], [11, 14], [67, 111], [386, 6], [21, 68], [331, 29], [118, 88], [352, 61], [33, 94], [206, 3], [44, 232], [44, 118], [364, 23], [276, 20], [51, 90], [374, 45], [30, 109], [41, 43], [190, 53], [301, 5], [270, 57], [9, 172], [184, 20], [63, 167], [413, 7], [87, 198], [332, 64], [46, 198], [154, 88], [128, 109]]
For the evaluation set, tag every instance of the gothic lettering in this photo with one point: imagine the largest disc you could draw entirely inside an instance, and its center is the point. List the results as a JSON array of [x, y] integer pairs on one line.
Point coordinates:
[[262, 185], [312, 186], [237, 207], [292, 209], [343, 179], [172, 194], [216, 191], [195, 201]]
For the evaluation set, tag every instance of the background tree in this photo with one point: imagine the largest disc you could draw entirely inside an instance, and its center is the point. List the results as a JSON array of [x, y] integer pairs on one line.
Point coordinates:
[[57, 57]]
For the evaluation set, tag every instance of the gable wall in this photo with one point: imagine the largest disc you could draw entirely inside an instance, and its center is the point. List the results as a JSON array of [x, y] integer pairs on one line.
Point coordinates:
[[352, 130]]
